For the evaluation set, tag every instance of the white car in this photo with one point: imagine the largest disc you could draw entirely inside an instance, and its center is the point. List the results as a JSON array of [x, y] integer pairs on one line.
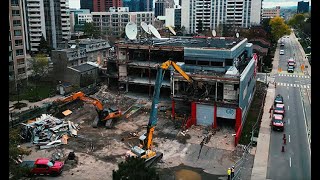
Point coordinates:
[[281, 52]]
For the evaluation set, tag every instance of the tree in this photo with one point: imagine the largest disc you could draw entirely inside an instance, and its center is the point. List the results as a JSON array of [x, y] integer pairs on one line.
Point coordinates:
[[39, 65], [278, 28], [90, 30], [200, 27], [134, 169], [297, 21], [44, 47], [16, 153]]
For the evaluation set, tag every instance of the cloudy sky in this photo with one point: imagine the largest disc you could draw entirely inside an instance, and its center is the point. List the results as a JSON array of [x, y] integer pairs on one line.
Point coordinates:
[[266, 3]]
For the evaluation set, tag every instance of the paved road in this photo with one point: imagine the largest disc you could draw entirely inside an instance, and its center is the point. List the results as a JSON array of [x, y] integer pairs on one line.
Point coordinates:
[[295, 162]]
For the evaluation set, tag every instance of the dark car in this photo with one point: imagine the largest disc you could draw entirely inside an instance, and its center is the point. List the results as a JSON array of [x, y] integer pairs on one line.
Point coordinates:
[[278, 99], [290, 69]]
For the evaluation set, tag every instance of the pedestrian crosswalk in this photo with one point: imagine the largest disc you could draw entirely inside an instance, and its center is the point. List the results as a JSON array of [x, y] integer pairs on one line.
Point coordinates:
[[294, 85], [294, 75]]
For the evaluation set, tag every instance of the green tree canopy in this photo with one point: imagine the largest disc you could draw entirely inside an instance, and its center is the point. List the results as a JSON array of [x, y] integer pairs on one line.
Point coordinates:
[[297, 21], [39, 65], [16, 153], [134, 169], [200, 27], [90, 30], [44, 46], [278, 28]]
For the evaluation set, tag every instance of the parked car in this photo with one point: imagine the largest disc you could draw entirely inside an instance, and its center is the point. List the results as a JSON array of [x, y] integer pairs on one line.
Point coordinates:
[[279, 109], [281, 52], [277, 122], [278, 99], [44, 166]]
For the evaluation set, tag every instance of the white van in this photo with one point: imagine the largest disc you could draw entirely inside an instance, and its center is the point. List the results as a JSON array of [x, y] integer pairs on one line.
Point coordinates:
[[281, 52]]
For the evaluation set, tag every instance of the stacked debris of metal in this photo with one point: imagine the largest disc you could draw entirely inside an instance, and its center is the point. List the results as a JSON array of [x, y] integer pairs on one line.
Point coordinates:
[[48, 131]]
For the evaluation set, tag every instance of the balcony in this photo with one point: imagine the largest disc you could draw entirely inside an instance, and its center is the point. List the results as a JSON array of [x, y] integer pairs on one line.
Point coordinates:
[[34, 20], [34, 10], [34, 30], [33, 5], [65, 28], [34, 39], [34, 15], [35, 25], [35, 35]]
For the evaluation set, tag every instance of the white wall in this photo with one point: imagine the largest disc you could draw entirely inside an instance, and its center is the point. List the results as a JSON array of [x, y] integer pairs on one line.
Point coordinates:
[[255, 12], [185, 15], [169, 17]]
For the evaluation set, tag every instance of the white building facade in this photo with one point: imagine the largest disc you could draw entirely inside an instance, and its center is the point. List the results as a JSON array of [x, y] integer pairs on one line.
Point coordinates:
[[216, 13], [114, 23]]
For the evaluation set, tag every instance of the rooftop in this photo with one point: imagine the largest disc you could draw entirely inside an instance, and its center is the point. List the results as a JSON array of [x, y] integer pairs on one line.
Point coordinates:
[[197, 42], [88, 41], [83, 67]]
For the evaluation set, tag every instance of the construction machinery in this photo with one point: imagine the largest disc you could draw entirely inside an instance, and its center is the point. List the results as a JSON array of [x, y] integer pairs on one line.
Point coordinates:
[[144, 150], [107, 115]]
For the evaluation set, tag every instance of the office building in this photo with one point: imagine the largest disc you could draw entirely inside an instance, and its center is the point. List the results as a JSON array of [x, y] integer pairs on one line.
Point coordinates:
[[303, 7], [86, 4], [268, 13]]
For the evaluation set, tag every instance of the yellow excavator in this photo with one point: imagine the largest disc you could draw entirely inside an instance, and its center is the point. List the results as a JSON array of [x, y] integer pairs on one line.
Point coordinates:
[[106, 115], [144, 150]]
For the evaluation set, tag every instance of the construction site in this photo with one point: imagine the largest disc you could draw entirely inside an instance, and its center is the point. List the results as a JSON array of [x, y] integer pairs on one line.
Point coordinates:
[[189, 117]]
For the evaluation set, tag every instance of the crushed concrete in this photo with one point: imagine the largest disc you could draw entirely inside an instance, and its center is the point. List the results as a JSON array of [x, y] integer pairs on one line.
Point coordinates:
[[99, 150]]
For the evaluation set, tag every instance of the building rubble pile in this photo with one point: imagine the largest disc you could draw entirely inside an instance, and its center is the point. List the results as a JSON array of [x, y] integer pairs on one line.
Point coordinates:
[[48, 131]]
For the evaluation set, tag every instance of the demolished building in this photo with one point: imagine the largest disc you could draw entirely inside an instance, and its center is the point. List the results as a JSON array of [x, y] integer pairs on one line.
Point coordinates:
[[222, 67]]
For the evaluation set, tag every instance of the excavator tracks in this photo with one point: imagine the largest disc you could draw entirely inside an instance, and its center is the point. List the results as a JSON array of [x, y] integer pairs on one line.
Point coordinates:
[[154, 160]]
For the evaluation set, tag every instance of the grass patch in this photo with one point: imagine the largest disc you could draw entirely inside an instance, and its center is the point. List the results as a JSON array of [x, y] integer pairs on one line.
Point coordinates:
[[34, 92], [253, 114]]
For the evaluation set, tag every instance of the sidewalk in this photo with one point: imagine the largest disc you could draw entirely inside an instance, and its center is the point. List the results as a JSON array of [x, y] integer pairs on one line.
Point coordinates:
[[31, 105], [260, 166]]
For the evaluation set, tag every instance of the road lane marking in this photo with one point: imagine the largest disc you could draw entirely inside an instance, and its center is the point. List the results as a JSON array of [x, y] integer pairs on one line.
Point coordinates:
[[290, 161], [291, 85], [288, 121], [288, 96], [305, 121], [304, 86], [289, 137], [288, 106]]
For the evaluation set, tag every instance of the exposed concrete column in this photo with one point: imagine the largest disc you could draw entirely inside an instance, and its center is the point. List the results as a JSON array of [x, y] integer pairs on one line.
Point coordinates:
[[216, 96], [127, 87]]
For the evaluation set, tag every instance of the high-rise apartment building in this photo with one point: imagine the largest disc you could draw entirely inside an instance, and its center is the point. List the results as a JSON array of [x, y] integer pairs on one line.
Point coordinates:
[[303, 7], [114, 23], [57, 21], [105, 5], [216, 13], [86, 4], [17, 48], [159, 8], [49, 18], [138, 5]]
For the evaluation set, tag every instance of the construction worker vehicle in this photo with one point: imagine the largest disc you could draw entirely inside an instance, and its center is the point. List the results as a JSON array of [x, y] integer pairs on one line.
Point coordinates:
[[105, 115], [144, 150]]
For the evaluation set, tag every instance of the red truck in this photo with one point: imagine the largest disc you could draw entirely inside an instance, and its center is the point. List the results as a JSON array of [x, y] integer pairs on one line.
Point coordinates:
[[44, 166]]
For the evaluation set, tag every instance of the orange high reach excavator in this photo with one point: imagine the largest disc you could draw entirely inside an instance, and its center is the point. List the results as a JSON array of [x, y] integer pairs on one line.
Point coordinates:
[[106, 115]]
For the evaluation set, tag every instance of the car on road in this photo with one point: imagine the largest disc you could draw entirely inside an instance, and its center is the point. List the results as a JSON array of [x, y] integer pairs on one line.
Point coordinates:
[[277, 122], [279, 109], [290, 69], [278, 99], [281, 52]]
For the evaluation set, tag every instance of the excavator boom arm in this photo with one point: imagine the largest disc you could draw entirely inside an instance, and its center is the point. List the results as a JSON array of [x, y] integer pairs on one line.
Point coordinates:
[[156, 95]]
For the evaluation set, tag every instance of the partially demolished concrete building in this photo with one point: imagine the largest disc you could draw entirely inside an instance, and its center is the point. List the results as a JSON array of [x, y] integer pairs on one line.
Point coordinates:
[[223, 69]]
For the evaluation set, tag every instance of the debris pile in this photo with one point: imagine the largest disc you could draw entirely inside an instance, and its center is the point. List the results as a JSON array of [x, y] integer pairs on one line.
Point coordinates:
[[48, 131]]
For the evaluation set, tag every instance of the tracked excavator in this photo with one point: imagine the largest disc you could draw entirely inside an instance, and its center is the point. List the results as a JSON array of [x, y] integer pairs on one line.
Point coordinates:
[[105, 115], [144, 150]]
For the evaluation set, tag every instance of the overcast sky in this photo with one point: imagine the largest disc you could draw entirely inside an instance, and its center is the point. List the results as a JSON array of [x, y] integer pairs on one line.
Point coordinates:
[[266, 3]]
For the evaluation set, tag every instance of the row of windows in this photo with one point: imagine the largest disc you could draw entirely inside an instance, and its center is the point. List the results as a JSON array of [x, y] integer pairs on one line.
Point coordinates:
[[204, 63], [16, 23]]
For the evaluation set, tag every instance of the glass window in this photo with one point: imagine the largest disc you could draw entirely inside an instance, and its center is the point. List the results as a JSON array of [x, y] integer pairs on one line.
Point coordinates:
[[14, 2], [19, 52], [17, 33], [15, 13], [20, 61], [16, 23], [22, 71], [50, 164], [18, 42]]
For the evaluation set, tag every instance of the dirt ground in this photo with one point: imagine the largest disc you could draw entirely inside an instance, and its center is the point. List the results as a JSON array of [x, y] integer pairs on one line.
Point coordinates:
[[99, 150]]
